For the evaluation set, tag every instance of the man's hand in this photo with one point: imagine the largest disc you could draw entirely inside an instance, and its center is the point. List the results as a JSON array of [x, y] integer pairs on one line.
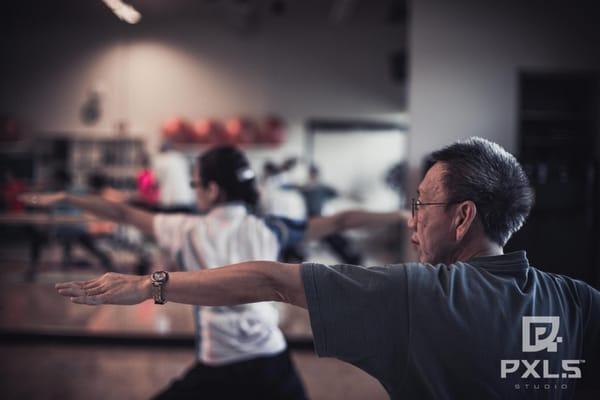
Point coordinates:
[[110, 288], [42, 199]]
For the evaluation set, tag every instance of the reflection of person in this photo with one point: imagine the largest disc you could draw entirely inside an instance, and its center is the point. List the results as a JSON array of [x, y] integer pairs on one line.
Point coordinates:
[[316, 193], [71, 233], [449, 326], [280, 196], [173, 174], [148, 190], [241, 351], [12, 188]]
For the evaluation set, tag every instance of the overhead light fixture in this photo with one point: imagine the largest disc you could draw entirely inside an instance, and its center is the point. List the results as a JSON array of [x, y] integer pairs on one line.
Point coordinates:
[[124, 11]]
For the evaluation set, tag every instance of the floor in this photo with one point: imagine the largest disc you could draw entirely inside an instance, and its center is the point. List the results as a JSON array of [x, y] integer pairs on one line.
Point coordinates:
[[47, 369], [92, 372]]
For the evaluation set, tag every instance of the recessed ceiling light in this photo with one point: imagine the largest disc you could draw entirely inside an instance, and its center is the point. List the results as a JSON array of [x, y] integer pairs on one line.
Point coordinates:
[[124, 11]]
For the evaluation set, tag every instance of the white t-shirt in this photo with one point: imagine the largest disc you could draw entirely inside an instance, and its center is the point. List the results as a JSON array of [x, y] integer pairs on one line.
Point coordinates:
[[227, 235], [281, 200], [172, 171]]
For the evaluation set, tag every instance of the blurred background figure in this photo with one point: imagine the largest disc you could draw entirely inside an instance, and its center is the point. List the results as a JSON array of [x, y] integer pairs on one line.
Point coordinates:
[[315, 192], [280, 196], [12, 187], [148, 188], [122, 237], [316, 195], [69, 234], [173, 173]]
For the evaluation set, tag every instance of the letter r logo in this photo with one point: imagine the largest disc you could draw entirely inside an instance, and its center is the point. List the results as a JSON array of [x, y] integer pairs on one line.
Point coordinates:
[[544, 336]]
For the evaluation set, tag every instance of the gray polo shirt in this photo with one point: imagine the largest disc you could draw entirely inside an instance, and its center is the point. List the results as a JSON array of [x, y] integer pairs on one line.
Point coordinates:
[[458, 331]]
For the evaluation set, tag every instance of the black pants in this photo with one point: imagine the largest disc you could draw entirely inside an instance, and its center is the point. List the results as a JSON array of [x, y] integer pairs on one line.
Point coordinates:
[[262, 378]]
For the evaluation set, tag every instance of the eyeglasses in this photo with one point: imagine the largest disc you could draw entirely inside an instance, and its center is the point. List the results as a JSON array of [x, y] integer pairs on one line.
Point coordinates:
[[417, 203]]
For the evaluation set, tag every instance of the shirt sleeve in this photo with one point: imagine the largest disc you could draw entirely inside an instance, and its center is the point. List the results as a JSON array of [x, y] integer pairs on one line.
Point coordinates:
[[289, 232], [591, 344], [359, 315], [169, 230]]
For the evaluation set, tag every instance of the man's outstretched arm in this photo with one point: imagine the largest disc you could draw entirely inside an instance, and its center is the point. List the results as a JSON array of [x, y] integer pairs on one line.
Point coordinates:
[[246, 282]]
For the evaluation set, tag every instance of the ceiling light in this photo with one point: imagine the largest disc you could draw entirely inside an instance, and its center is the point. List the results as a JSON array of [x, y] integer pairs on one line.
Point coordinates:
[[124, 11]]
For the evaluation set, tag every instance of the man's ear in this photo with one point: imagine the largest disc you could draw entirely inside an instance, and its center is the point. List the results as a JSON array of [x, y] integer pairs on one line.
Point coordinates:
[[464, 218]]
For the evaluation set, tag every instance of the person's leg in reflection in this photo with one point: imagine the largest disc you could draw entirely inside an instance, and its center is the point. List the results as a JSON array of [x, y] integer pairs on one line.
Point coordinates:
[[87, 241], [262, 378]]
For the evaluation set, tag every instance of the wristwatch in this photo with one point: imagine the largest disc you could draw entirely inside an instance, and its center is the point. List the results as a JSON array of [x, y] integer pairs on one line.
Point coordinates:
[[159, 280]]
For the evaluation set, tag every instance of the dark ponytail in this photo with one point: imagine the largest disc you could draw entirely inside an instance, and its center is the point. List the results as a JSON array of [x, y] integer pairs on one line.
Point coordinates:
[[229, 168]]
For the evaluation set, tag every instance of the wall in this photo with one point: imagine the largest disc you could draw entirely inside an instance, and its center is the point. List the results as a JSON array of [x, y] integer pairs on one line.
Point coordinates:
[[200, 68], [465, 57]]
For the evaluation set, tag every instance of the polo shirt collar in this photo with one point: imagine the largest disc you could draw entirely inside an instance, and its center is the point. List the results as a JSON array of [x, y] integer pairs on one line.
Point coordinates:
[[510, 261]]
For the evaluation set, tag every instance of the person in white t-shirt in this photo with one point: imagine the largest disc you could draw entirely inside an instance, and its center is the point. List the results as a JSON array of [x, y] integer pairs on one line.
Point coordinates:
[[173, 173], [241, 352]]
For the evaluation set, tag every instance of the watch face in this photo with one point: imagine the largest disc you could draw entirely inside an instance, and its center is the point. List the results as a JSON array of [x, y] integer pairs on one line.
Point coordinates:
[[160, 276]]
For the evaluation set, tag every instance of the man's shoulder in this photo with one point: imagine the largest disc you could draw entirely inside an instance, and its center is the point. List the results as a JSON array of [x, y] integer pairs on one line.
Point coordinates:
[[566, 283]]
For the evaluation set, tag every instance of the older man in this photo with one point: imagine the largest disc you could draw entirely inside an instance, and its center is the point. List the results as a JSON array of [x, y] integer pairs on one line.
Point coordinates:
[[466, 321]]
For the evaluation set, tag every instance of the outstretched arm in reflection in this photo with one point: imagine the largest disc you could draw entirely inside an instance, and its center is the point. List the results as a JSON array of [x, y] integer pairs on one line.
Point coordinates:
[[116, 211], [319, 227], [246, 282]]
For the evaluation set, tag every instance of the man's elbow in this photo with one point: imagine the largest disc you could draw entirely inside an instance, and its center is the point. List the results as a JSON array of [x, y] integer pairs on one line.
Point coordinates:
[[287, 285]]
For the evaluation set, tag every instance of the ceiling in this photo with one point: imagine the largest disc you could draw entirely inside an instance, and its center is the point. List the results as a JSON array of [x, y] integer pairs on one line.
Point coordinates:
[[21, 14]]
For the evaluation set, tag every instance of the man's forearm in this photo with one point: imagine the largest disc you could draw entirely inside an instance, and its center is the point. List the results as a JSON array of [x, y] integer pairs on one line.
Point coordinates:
[[247, 282]]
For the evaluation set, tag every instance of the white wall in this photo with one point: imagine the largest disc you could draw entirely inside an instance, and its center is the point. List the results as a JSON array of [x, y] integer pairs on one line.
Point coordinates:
[[200, 69], [465, 56]]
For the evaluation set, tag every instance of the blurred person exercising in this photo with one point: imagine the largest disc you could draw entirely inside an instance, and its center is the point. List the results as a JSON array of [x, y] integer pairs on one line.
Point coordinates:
[[241, 351], [172, 171]]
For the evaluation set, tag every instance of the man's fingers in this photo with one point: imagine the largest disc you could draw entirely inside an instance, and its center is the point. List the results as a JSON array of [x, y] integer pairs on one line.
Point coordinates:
[[79, 284], [77, 289], [70, 288], [92, 285], [71, 291], [64, 285], [95, 290]]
